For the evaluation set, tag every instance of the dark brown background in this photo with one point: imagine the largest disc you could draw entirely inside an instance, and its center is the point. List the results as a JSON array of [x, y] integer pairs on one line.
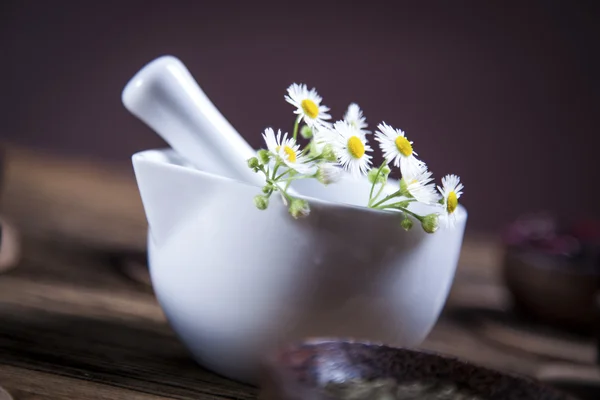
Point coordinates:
[[505, 95]]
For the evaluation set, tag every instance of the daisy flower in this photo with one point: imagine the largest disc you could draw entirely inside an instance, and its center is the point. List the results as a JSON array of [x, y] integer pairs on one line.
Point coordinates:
[[451, 191], [287, 149], [321, 136], [354, 116], [308, 105], [395, 146], [328, 173], [350, 147], [420, 185]]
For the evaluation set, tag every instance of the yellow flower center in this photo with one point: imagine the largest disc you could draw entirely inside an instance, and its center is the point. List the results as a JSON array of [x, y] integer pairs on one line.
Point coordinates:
[[452, 202], [310, 108], [404, 146], [291, 154], [356, 147]]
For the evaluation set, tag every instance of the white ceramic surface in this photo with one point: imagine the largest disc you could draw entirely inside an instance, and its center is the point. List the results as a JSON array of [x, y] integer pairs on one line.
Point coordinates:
[[236, 282], [166, 97]]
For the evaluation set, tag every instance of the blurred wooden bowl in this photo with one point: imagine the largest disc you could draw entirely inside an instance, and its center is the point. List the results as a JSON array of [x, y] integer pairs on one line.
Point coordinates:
[[551, 290], [552, 269]]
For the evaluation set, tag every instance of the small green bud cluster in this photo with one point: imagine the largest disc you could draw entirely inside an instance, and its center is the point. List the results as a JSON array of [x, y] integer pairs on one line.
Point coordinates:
[[306, 132], [406, 223], [430, 223], [299, 208], [379, 175], [253, 164], [327, 154], [261, 202]]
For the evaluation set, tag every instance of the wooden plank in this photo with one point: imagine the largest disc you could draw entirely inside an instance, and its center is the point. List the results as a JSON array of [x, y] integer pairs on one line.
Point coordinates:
[[55, 261], [451, 338], [67, 299], [85, 201], [112, 332], [65, 312], [123, 354], [25, 384]]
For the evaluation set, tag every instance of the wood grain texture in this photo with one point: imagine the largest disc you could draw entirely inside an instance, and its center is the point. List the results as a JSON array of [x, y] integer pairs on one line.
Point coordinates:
[[26, 384], [67, 313], [86, 201], [75, 316]]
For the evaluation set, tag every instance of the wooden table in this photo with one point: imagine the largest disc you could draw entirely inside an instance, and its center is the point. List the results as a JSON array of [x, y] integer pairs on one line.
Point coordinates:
[[73, 326]]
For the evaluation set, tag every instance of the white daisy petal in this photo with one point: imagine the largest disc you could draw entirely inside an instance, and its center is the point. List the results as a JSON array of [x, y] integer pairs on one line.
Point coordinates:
[[398, 149], [270, 140], [322, 135], [354, 116], [308, 105], [288, 150], [351, 148], [328, 173], [421, 186], [451, 190]]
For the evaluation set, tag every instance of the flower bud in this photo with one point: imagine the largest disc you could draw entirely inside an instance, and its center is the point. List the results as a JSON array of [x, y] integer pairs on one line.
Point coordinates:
[[406, 224], [404, 188], [328, 173], [264, 156], [380, 176], [328, 153], [299, 208], [313, 149], [267, 189], [253, 162], [430, 223], [372, 175], [261, 202], [306, 132]]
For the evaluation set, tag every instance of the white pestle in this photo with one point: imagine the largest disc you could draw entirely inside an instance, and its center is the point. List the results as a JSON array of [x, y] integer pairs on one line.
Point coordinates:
[[165, 96]]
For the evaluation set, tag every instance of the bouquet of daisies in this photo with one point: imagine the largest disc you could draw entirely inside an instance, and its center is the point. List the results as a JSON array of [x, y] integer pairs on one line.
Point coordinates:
[[344, 145]]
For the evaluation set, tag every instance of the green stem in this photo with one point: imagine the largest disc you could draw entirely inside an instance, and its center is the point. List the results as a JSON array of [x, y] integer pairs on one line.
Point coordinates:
[[374, 183], [275, 182], [395, 206], [315, 158], [265, 172], [286, 195], [277, 164], [306, 149], [371, 194], [289, 179], [371, 198], [391, 196], [287, 171], [406, 210], [380, 190], [295, 178], [296, 127]]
